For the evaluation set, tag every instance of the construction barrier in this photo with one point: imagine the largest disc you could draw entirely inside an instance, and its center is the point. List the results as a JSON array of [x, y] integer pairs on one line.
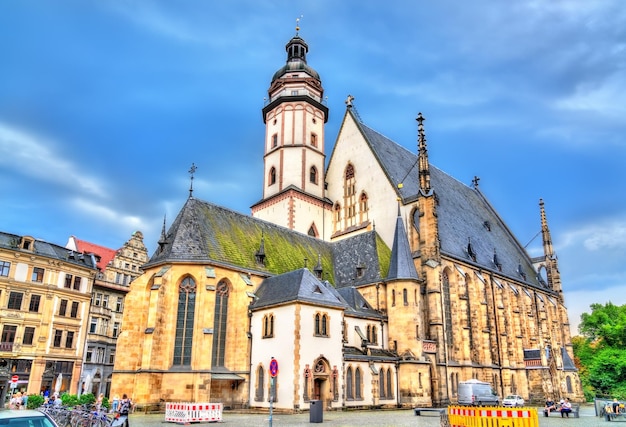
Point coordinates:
[[185, 413], [492, 416]]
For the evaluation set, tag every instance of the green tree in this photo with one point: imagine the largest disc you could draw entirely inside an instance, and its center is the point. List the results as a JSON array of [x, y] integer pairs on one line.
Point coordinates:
[[599, 352]]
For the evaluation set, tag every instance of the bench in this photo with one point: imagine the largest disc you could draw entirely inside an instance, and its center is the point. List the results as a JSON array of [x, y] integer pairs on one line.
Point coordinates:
[[557, 412], [429, 412]]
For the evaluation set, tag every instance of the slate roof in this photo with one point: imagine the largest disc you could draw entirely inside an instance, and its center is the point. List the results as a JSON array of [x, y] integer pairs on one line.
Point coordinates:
[[206, 233], [357, 306], [464, 214], [296, 286], [50, 250], [401, 265]]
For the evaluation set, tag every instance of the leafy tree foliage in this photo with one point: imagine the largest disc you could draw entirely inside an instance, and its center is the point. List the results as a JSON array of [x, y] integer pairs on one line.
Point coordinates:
[[599, 351]]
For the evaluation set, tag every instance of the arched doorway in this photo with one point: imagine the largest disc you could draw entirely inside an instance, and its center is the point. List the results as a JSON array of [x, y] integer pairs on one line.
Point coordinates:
[[321, 384]]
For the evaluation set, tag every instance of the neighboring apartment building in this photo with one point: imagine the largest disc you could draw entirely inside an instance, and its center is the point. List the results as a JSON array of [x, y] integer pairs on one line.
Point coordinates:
[[45, 293], [117, 269]]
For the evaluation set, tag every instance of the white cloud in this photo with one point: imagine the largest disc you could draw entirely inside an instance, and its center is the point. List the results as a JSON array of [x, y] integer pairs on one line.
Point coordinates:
[[605, 97], [100, 213], [609, 235], [34, 156]]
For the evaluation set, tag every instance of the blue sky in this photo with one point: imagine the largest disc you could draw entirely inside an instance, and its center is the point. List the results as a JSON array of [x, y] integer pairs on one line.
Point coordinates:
[[104, 105]]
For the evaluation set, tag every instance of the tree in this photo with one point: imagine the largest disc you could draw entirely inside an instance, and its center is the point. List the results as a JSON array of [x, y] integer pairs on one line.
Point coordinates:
[[599, 352]]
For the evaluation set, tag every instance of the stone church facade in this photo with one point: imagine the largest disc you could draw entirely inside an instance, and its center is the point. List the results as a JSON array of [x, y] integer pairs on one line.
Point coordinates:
[[378, 280]]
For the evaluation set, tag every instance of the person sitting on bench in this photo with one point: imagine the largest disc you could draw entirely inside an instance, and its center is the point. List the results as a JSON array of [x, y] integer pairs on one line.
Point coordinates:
[[566, 408], [550, 406]]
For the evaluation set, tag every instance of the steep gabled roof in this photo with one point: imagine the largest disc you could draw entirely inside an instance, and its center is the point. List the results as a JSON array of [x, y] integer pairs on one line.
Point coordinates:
[[296, 286], [463, 213], [206, 233]]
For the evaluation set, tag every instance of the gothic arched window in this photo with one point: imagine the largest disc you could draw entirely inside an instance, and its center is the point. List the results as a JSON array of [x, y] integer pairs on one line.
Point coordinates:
[[222, 292], [184, 322]]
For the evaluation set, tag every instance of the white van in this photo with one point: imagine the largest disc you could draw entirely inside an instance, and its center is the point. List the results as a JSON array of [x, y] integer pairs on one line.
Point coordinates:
[[475, 392]]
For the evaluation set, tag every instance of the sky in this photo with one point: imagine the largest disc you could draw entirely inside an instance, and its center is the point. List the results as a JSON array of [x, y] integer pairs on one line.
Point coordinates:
[[105, 105]]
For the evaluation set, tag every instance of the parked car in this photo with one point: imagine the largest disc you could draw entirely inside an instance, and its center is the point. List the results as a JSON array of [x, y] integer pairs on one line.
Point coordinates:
[[478, 393], [26, 417], [513, 400]]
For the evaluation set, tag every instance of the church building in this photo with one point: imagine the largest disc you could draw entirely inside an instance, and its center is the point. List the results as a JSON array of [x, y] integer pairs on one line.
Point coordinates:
[[373, 279]]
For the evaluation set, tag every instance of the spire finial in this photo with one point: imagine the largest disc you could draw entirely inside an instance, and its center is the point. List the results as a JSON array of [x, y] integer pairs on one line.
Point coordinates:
[[298, 23], [475, 181], [192, 170]]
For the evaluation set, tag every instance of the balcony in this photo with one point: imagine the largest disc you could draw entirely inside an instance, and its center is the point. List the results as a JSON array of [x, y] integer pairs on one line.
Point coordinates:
[[6, 346], [100, 310]]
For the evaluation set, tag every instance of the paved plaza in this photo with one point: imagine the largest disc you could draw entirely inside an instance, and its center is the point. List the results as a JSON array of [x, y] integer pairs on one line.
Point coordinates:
[[381, 418]]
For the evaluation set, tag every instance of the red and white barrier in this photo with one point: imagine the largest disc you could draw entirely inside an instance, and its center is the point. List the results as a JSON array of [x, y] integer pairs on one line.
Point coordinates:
[[185, 413]]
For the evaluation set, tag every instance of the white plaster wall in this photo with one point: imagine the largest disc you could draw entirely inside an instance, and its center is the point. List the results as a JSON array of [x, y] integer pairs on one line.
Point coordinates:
[[369, 177]]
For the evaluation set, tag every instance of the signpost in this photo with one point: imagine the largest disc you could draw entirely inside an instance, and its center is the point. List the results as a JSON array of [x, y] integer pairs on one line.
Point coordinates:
[[273, 373], [14, 380]]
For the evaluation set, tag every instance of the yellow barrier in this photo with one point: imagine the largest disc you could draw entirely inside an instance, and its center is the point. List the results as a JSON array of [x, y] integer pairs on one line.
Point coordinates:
[[492, 416]]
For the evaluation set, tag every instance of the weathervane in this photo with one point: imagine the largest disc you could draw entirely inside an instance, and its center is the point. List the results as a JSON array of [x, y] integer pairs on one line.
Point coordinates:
[[192, 170]]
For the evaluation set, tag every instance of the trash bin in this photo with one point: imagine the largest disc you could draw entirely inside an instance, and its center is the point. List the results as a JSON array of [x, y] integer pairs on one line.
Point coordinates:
[[315, 412]]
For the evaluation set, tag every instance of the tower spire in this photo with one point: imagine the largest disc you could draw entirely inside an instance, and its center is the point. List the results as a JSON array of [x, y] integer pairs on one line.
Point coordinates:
[[548, 250], [424, 167]]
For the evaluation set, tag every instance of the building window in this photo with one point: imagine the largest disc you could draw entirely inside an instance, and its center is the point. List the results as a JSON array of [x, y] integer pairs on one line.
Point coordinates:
[[185, 321], [119, 304], [97, 299], [268, 326], [15, 301], [321, 325], [358, 384], [74, 312], [89, 354], [69, 339], [77, 281], [35, 300], [389, 384], [314, 140], [37, 275], [118, 278], [405, 297], [275, 140], [393, 298], [313, 175], [221, 320], [349, 195], [363, 207], [260, 389], [29, 335], [105, 301], [272, 177], [58, 336], [63, 307], [93, 324], [337, 217], [116, 329], [381, 382], [8, 336], [112, 357], [68, 281], [5, 266], [349, 384]]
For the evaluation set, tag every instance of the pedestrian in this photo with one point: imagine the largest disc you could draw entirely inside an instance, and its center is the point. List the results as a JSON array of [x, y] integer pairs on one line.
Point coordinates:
[[566, 408], [116, 403], [124, 410]]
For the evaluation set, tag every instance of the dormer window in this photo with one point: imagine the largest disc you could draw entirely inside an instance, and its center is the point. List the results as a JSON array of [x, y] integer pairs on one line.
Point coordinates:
[[27, 243]]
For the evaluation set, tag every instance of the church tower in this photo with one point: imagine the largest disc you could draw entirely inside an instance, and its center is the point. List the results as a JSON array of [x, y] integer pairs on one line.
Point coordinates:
[[294, 116]]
